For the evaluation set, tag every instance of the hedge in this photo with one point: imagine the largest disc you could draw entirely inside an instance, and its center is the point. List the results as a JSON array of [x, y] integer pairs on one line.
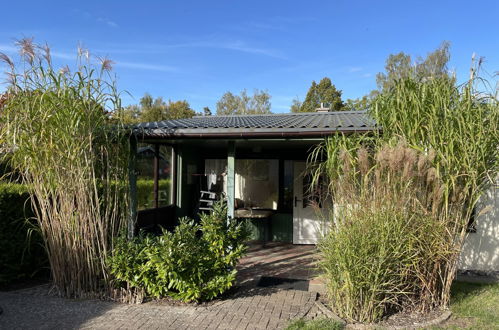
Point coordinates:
[[145, 193], [22, 255]]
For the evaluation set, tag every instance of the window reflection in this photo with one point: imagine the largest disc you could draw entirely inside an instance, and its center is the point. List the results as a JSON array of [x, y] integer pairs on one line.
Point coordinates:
[[145, 175]]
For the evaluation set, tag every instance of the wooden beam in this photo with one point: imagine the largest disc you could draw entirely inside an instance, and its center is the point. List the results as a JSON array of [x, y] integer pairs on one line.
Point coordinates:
[[280, 199], [173, 176], [231, 178], [132, 181], [179, 169], [156, 175]]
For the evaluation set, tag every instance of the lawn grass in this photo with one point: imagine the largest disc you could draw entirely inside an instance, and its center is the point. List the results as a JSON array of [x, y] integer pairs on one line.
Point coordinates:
[[317, 324], [473, 306]]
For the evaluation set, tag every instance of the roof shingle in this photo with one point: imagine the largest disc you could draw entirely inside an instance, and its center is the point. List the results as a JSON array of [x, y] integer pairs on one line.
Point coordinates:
[[318, 123]]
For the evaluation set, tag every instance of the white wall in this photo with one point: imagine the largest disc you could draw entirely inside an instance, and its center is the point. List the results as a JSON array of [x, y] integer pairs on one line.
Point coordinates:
[[481, 249]]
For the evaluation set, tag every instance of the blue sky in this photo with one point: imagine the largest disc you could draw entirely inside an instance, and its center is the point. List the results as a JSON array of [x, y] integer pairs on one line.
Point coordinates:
[[197, 50]]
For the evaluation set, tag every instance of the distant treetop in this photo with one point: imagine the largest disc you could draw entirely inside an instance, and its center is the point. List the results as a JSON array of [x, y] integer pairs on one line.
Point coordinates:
[[243, 104]]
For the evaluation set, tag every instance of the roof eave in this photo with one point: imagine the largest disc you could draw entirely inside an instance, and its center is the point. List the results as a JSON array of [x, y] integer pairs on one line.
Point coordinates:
[[255, 133]]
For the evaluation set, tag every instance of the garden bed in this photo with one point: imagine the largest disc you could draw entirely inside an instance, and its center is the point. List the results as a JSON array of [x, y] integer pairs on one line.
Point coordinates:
[[401, 320], [232, 293], [473, 305]]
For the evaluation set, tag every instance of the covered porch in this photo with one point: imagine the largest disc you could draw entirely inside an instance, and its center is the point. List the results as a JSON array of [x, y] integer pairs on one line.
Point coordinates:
[[282, 265], [255, 163]]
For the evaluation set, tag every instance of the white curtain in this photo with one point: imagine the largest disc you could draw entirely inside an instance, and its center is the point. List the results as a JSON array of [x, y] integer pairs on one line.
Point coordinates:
[[256, 181], [215, 171]]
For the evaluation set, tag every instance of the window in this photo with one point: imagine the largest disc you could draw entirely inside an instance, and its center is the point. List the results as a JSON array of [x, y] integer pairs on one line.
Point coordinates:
[[287, 187], [256, 181], [313, 195], [145, 175]]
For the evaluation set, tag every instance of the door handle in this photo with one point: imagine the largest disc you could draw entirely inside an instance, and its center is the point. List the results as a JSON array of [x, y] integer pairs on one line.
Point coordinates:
[[297, 200]]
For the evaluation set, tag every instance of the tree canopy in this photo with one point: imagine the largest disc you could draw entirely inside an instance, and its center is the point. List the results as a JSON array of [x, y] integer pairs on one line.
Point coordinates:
[[361, 103], [243, 104], [400, 66], [322, 92], [150, 109]]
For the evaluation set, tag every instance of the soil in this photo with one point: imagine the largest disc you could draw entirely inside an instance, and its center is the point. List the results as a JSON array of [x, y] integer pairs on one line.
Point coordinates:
[[168, 301], [410, 319], [458, 323], [405, 320], [24, 284]]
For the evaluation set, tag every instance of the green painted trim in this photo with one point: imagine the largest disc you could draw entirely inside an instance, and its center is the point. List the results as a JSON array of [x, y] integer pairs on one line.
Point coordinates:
[[179, 169], [231, 173], [282, 227], [132, 181]]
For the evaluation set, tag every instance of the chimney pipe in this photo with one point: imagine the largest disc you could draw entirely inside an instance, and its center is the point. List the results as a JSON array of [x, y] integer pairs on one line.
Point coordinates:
[[322, 108]]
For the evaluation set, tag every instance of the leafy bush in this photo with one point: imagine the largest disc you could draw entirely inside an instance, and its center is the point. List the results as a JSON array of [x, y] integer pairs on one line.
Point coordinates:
[[21, 247], [195, 262]]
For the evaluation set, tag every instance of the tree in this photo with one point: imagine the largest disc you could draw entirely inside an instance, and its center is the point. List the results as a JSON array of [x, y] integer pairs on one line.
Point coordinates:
[[323, 92], [129, 114], [150, 109], [243, 104], [361, 103], [400, 66], [178, 109], [296, 105]]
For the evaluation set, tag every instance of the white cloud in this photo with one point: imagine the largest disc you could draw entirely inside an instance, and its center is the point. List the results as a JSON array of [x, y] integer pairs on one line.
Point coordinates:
[[242, 47], [107, 21], [8, 49], [99, 19], [145, 66], [354, 69], [236, 45]]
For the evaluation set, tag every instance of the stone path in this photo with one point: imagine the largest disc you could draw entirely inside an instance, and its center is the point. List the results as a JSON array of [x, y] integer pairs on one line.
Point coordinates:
[[277, 259], [251, 308]]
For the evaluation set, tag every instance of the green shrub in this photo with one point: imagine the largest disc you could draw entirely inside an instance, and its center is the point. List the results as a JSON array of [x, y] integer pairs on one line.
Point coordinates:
[[21, 249], [196, 262]]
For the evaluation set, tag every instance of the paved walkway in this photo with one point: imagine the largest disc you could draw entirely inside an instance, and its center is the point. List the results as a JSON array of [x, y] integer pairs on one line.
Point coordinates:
[[258, 308], [251, 307], [282, 260]]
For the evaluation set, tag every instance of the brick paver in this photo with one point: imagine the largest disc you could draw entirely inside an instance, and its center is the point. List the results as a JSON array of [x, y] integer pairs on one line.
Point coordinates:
[[250, 308], [256, 308]]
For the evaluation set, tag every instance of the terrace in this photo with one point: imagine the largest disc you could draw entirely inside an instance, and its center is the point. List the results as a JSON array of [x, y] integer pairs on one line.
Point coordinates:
[[281, 265]]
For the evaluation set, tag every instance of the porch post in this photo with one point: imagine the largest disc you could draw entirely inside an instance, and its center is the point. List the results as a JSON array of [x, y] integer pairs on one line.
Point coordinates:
[[179, 169], [132, 181], [156, 176], [231, 154], [173, 176]]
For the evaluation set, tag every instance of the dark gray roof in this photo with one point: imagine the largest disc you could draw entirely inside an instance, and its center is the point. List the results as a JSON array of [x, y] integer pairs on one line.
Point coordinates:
[[315, 124]]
